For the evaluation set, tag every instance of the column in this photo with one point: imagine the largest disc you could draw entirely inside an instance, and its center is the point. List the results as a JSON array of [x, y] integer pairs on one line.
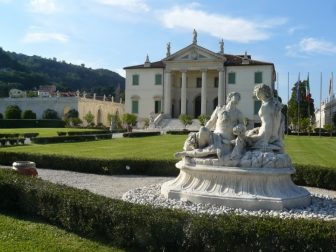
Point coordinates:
[[204, 92], [167, 93], [221, 87], [184, 93]]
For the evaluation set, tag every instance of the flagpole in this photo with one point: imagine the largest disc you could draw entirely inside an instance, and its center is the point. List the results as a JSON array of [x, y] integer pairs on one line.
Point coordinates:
[[287, 101], [320, 104], [298, 94], [308, 99]]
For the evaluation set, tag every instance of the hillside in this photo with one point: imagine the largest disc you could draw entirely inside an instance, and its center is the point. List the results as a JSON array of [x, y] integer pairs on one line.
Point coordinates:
[[29, 72]]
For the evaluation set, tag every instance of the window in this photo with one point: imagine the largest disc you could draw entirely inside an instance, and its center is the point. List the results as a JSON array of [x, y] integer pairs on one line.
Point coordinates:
[[232, 78], [157, 107], [199, 82], [135, 107], [158, 79], [257, 105], [135, 79], [258, 77], [216, 82]]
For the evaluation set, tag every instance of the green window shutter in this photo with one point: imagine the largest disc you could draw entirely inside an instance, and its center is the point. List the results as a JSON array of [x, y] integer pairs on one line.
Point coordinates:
[[135, 79], [258, 77], [257, 105], [232, 78], [135, 107], [157, 108], [158, 79]]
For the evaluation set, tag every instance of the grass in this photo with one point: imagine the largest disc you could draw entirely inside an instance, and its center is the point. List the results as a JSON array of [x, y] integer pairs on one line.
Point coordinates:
[[156, 147], [26, 234], [43, 132], [302, 150], [312, 150]]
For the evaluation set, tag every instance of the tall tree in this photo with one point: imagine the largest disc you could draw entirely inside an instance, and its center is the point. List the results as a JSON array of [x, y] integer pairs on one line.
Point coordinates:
[[300, 104]]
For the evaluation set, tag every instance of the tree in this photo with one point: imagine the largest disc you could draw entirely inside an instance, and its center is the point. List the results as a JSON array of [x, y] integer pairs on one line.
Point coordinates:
[[185, 120], [28, 114], [72, 113], [89, 118], [1, 116], [334, 119], [329, 128], [50, 114], [130, 120], [306, 105], [117, 124], [203, 119], [13, 112]]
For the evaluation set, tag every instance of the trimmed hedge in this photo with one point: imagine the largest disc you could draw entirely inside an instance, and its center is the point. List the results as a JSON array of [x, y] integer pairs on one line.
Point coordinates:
[[11, 141], [62, 139], [143, 228], [178, 132], [80, 133], [31, 123], [141, 134], [314, 176], [95, 166]]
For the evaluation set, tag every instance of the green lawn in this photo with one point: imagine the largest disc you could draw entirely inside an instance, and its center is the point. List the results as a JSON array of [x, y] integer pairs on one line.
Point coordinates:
[[312, 150], [156, 147], [303, 150], [43, 132], [31, 235]]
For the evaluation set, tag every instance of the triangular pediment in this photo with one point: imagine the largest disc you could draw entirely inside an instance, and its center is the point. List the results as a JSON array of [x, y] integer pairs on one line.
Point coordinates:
[[194, 52]]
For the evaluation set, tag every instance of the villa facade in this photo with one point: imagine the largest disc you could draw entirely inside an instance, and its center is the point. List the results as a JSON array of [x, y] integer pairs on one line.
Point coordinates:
[[193, 81]]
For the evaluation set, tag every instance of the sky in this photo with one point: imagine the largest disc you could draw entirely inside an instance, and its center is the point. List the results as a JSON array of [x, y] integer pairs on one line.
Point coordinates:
[[299, 36]]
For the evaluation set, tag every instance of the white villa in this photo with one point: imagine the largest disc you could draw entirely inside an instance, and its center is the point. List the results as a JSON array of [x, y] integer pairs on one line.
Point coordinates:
[[193, 81]]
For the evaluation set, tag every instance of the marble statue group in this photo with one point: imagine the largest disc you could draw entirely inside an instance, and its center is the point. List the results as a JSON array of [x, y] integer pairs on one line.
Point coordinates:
[[224, 163], [224, 140]]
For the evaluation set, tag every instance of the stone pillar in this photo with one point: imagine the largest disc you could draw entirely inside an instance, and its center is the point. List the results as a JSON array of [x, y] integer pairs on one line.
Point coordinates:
[[221, 87], [184, 93], [167, 93], [204, 92]]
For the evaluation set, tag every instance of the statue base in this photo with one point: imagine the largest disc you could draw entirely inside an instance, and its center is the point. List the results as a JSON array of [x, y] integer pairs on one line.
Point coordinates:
[[236, 187]]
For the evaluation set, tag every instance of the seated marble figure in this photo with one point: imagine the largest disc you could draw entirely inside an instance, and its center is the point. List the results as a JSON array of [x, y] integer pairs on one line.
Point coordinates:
[[229, 144]]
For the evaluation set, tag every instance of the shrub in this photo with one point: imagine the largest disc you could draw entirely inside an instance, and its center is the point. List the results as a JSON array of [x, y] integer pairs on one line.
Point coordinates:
[[72, 113], [30, 135], [185, 119], [50, 114], [28, 114], [1, 116], [178, 132], [130, 120], [62, 139], [89, 118], [143, 228], [61, 133], [31, 123], [13, 112], [141, 134], [203, 119]]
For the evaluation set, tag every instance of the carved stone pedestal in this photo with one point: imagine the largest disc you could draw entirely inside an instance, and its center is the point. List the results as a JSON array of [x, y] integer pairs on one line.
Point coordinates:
[[236, 187], [27, 168]]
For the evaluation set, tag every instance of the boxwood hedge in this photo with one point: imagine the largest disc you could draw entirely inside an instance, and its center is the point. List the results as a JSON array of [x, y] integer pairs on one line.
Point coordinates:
[[143, 228], [306, 175]]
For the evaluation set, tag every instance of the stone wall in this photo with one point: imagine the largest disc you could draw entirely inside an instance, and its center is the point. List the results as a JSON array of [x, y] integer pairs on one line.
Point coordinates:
[[100, 109]]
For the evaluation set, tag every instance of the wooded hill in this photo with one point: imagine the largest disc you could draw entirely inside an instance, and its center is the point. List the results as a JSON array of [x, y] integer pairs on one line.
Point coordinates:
[[29, 72]]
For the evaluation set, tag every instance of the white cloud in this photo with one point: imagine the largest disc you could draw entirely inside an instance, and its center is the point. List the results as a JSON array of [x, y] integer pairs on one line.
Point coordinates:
[[230, 28], [43, 6], [32, 37], [129, 5], [308, 46]]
